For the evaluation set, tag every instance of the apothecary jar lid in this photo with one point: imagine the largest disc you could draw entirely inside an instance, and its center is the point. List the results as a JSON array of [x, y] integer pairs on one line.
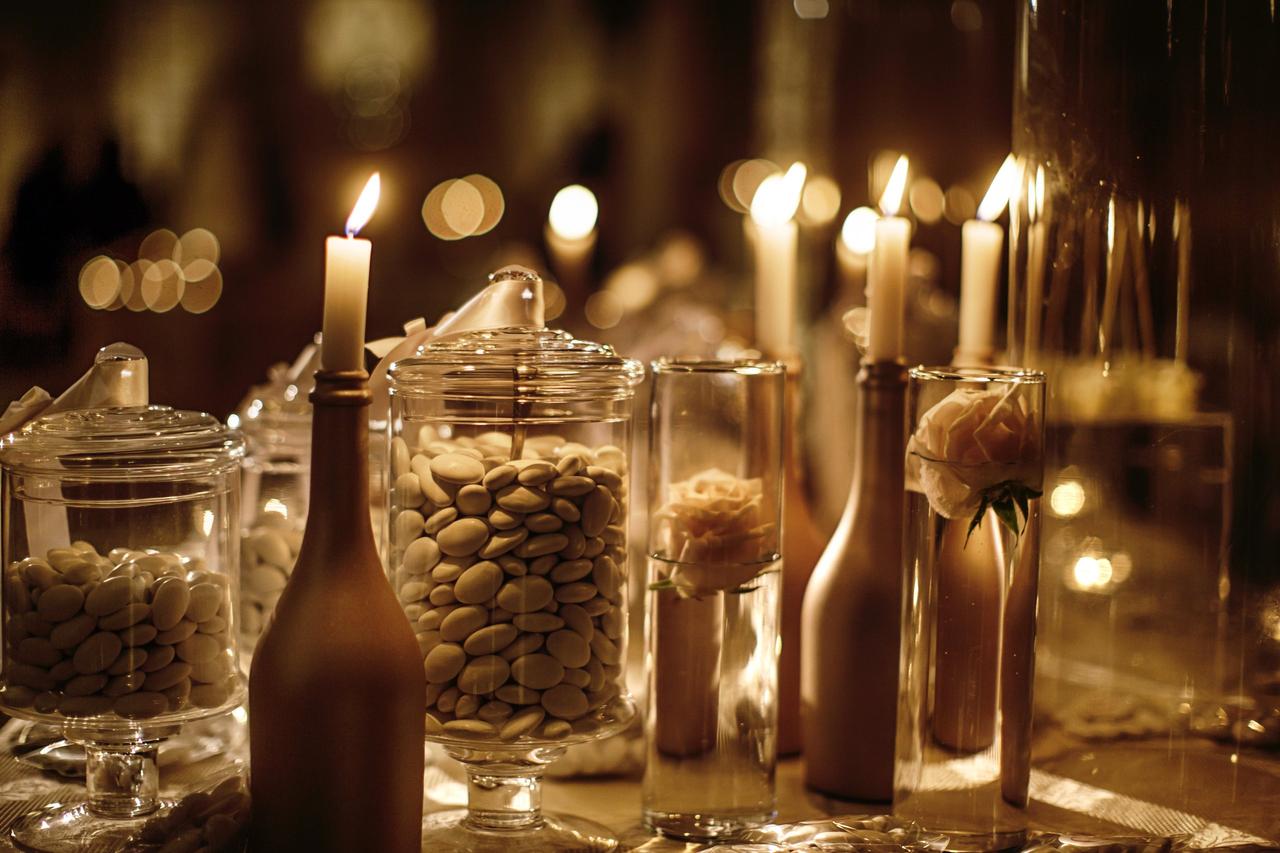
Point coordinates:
[[519, 364], [137, 442]]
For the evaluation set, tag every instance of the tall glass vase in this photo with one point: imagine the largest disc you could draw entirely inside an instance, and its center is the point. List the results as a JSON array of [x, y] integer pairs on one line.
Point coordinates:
[[715, 581], [974, 470]]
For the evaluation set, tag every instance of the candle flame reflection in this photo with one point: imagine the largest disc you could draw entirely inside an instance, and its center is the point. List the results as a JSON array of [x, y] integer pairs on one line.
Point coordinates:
[[1002, 187], [365, 205], [778, 196], [891, 201]]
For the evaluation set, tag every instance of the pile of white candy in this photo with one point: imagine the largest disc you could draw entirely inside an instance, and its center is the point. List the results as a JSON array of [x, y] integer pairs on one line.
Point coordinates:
[[513, 573], [137, 634], [268, 551], [214, 821]]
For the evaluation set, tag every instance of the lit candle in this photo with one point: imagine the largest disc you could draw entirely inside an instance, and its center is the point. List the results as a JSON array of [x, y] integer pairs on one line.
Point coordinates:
[[346, 287], [887, 275], [981, 242], [571, 238], [856, 241], [773, 209]]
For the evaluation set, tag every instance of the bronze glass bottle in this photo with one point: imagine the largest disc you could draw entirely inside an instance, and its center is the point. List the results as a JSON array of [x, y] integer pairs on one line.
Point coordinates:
[[852, 610], [336, 687]]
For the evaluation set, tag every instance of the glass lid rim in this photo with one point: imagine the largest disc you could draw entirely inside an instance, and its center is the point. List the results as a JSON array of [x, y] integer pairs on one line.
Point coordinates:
[[996, 375], [171, 440], [740, 366]]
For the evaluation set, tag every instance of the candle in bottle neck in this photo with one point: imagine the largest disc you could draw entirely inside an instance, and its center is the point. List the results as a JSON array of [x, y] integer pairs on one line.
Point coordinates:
[[981, 242], [773, 208], [346, 287], [887, 274]]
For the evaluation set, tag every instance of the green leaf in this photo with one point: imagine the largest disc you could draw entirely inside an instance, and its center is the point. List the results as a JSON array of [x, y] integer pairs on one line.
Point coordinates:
[[665, 583], [1007, 513], [1020, 498], [976, 521]]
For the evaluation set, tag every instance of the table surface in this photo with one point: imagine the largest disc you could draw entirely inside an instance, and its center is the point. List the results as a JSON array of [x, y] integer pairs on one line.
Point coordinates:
[[615, 801]]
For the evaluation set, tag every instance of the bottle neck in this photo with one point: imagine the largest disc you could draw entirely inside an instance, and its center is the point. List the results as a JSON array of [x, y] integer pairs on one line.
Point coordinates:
[[339, 496], [878, 468]]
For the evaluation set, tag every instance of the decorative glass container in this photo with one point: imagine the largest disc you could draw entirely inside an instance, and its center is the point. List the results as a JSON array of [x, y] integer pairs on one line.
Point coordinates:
[[120, 551], [508, 550], [715, 587], [275, 419], [1143, 266], [974, 470]]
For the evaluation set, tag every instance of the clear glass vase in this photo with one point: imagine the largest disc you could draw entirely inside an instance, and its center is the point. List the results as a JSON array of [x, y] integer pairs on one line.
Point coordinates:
[[715, 581], [120, 556], [1142, 270], [974, 471]]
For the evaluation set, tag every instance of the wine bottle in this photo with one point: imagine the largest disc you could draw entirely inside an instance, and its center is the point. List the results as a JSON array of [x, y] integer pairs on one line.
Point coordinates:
[[336, 688], [852, 610]]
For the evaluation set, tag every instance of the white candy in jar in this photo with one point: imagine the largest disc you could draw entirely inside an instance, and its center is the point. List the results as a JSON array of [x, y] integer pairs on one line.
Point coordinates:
[[268, 551], [134, 633], [513, 573]]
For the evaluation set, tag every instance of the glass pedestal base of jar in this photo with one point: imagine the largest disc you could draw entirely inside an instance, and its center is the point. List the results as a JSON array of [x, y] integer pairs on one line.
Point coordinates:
[[504, 809], [123, 782], [59, 828]]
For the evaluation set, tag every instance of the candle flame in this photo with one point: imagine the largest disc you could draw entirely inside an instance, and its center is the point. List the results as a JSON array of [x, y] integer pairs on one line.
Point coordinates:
[[1002, 187], [365, 205], [859, 231], [891, 201], [573, 213], [778, 196]]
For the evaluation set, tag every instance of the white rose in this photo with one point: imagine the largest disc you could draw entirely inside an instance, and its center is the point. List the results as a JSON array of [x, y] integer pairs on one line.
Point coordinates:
[[712, 527], [971, 440]]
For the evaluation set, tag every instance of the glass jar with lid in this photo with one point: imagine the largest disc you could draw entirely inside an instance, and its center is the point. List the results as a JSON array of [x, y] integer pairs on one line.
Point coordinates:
[[120, 554], [507, 548], [275, 418]]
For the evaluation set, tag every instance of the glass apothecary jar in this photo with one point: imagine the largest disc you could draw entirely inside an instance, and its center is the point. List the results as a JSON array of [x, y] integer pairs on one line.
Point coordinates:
[[275, 419], [120, 555], [508, 550]]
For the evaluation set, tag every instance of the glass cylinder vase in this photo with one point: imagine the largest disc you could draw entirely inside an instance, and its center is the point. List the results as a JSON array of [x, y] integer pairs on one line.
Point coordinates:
[[715, 596], [1142, 269], [974, 470]]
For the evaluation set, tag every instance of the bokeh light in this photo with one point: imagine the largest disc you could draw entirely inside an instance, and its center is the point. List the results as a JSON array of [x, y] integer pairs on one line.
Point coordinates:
[[463, 207], [159, 245], [1067, 498], [632, 287], [134, 300], [859, 230], [162, 286], [926, 200], [552, 299], [573, 212], [959, 205], [491, 197], [433, 212], [99, 282], [168, 272], [820, 201], [603, 309], [195, 246], [203, 293]]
